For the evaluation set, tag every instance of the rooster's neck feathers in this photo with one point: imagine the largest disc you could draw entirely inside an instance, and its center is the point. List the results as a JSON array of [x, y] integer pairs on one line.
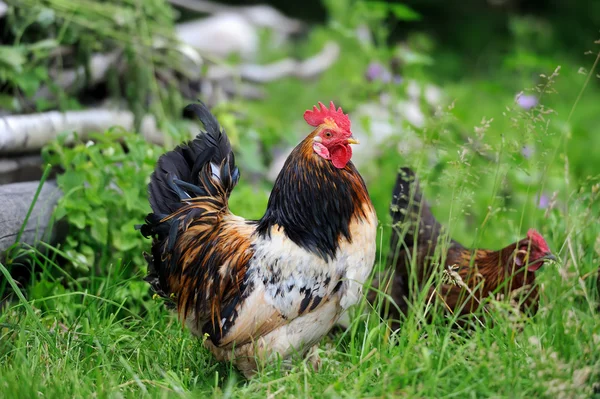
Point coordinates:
[[314, 202]]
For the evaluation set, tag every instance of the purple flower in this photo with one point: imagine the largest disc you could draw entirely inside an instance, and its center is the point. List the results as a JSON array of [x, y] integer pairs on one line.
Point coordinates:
[[376, 71], [527, 101], [527, 151], [543, 201]]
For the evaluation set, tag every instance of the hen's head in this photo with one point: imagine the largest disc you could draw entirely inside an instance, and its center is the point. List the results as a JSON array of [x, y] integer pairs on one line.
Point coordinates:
[[332, 136], [532, 251]]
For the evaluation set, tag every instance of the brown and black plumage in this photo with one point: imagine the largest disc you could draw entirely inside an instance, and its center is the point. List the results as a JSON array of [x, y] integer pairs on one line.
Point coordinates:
[[420, 248], [268, 287]]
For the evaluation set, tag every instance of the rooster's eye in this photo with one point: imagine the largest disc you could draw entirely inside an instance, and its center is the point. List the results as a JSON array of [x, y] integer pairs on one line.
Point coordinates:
[[327, 134]]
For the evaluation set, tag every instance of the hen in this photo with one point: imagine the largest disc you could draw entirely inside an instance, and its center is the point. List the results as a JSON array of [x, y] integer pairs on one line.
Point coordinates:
[[268, 287], [418, 243]]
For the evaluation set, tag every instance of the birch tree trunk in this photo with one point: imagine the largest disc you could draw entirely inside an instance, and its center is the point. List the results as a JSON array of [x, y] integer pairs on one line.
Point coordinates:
[[29, 133]]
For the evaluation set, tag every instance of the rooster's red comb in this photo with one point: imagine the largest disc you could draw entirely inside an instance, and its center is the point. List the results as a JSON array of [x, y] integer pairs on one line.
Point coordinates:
[[317, 116], [537, 239]]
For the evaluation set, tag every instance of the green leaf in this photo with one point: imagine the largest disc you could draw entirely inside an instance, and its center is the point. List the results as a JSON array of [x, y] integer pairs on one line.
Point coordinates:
[[44, 288], [71, 179], [28, 82], [9, 102], [42, 104], [60, 212], [99, 227], [44, 45], [127, 237], [78, 219], [380, 9], [404, 12], [13, 58], [46, 17]]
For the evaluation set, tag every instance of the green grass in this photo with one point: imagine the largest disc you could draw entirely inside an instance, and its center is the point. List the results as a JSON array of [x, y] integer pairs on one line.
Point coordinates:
[[85, 324], [83, 343]]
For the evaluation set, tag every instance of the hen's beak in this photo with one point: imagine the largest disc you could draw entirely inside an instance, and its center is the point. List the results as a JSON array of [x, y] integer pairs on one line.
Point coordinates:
[[549, 256], [352, 140]]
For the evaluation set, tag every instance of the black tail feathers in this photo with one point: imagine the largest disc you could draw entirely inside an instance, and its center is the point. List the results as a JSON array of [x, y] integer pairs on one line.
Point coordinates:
[[401, 196], [184, 173], [409, 206]]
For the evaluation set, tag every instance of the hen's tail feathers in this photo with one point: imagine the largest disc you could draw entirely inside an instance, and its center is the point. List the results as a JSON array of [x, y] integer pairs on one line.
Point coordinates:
[[413, 226], [190, 183], [410, 211]]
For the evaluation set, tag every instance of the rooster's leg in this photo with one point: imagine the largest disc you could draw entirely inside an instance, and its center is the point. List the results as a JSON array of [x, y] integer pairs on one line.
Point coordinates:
[[313, 358]]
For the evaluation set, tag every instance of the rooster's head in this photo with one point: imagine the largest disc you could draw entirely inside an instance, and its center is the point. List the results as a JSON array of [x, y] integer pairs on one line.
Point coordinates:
[[332, 136]]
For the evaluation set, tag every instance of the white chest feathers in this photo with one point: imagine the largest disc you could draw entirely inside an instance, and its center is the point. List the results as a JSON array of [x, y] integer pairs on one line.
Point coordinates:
[[297, 281]]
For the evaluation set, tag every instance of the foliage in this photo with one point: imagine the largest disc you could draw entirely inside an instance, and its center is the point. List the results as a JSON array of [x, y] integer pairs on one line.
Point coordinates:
[[52, 37], [104, 185]]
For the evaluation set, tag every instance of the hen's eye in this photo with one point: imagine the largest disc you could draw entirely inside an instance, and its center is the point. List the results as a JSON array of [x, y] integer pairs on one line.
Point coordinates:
[[327, 134]]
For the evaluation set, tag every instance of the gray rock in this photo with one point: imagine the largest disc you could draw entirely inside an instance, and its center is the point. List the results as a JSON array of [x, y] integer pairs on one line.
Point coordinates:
[[19, 169], [15, 200]]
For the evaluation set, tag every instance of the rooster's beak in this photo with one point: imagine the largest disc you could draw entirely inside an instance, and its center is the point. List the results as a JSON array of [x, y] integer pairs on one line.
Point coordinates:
[[352, 140]]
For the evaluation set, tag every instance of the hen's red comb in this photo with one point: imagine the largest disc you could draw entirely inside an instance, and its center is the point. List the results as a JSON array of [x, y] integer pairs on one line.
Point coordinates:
[[537, 239], [317, 116]]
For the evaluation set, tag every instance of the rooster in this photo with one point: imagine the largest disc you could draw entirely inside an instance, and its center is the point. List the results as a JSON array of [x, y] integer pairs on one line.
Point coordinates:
[[418, 240], [258, 289]]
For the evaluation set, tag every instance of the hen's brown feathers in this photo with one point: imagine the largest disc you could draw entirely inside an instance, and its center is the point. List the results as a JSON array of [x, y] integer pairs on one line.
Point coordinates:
[[419, 244], [489, 273]]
